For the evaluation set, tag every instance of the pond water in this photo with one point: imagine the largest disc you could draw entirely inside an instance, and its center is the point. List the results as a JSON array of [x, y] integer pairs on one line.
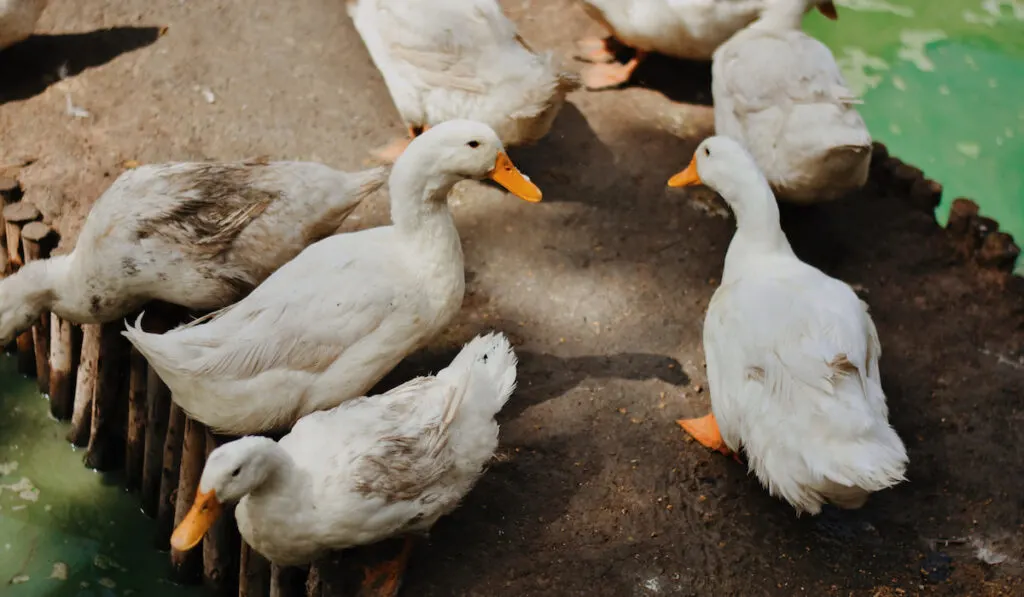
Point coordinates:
[[943, 88], [66, 531]]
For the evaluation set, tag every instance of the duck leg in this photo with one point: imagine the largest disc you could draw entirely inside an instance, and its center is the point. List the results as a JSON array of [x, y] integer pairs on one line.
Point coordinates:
[[390, 152], [594, 50], [384, 579], [614, 74], [705, 431]]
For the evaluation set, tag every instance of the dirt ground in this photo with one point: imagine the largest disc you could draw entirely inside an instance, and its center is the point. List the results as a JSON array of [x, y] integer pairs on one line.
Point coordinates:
[[602, 288]]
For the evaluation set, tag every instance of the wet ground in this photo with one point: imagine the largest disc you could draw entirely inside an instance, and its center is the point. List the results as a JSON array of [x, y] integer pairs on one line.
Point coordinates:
[[602, 288]]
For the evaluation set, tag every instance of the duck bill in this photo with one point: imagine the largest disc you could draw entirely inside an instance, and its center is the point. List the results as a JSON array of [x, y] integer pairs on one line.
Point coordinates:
[[829, 10], [686, 178], [204, 512], [507, 175]]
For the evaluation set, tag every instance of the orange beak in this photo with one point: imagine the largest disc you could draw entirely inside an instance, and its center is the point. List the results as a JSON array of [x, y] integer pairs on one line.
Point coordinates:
[[205, 510], [688, 177], [507, 175], [829, 10]]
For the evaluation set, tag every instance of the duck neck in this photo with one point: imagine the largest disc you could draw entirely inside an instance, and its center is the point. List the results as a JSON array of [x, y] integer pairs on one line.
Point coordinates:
[[758, 229], [419, 208], [781, 15], [39, 283]]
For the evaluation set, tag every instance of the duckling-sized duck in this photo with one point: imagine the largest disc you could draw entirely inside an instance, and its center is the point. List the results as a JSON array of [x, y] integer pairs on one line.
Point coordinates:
[[792, 357], [330, 323], [687, 29], [196, 234], [371, 468], [460, 59], [18, 20], [779, 92]]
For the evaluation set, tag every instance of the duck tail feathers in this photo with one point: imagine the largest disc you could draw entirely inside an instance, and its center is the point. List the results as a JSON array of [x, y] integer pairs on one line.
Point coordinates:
[[490, 365]]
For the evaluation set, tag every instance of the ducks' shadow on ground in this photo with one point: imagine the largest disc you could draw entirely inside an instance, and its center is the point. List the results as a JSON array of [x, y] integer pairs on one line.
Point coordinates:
[[31, 66], [555, 161], [813, 232], [497, 518], [541, 377], [684, 81]]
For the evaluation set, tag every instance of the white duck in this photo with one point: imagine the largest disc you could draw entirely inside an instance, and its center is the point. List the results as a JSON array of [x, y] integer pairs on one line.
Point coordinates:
[[688, 29], [369, 469], [18, 20], [779, 92], [196, 234], [330, 323], [792, 357], [460, 59]]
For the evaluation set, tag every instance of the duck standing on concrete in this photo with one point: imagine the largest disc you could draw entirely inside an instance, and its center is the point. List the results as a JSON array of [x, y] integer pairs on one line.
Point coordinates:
[[792, 357], [371, 468], [779, 92], [326, 326], [686, 29], [460, 59]]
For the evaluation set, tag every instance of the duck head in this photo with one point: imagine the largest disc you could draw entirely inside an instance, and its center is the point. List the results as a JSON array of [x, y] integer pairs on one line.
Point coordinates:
[[232, 471], [458, 149]]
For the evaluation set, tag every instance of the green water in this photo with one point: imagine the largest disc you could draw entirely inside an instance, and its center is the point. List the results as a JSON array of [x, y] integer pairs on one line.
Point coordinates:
[[66, 531], [943, 88]]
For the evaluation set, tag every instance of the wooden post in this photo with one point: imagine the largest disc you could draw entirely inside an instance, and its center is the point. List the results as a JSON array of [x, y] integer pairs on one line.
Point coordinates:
[[187, 565], [9, 191], [85, 386], [135, 441], [287, 581], [158, 404], [313, 585], [33, 237], [254, 573], [17, 215], [102, 428], [62, 367], [220, 546], [169, 476]]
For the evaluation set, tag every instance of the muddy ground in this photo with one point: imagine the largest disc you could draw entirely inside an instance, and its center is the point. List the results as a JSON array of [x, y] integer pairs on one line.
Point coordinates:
[[602, 288]]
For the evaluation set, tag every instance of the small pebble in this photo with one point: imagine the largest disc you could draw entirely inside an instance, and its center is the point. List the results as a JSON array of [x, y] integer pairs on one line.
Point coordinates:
[[60, 571]]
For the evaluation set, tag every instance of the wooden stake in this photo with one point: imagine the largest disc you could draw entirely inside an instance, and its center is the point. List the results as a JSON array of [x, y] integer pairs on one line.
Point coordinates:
[[254, 573], [186, 565], [62, 367], [158, 404], [286, 581], [10, 191], [33, 245], [85, 386], [135, 442], [103, 425], [169, 476], [221, 546], [313, 585], [17, 215]]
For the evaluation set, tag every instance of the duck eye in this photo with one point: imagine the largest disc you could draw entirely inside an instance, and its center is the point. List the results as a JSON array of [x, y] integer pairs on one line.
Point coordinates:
[[473, 144], [236, 472], [707, 152]]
